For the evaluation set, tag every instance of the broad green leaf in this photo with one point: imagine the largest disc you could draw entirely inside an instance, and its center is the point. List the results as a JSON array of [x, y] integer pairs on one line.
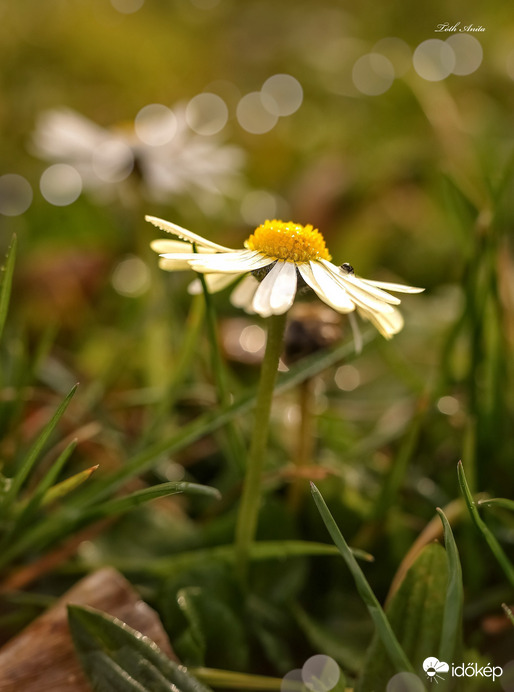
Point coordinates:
[[416, 613], [5, 291], [452, 621], [385, 632], [116, 657]]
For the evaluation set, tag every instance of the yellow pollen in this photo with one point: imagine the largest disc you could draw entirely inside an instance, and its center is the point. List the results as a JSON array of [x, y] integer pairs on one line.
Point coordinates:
[[288, 241]]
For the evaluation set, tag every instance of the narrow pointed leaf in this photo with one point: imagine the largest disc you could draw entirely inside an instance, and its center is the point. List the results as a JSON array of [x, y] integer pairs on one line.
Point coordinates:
[[452, 620], [32, 457], [5, 291], [502, 502], [120, 505], [483, 529], [116, 657], [385, 632], [67, 486]]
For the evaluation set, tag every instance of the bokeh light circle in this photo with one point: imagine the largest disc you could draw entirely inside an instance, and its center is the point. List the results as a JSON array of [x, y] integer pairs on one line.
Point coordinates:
[[15, 194], [405, 682], [397, 51], [468, 53], [320, 673], [282, 94], [112, 161], [60, 184], [155, 124], [253, 116], [434, 60], [373, 74], [127, 6], [207, 114], [292, 681], [131, 277], [507, 679]]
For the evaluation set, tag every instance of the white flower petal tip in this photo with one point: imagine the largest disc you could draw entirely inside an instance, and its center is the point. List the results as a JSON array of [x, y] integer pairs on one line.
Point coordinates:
[[183, 233], [396, 288]]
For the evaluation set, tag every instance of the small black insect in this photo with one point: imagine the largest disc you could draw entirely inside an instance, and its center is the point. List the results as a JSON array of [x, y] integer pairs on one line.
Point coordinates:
[[347, 268]]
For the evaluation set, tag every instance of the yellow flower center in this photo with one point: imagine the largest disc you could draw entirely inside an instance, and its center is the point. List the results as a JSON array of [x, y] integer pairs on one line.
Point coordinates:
[[288, 241]]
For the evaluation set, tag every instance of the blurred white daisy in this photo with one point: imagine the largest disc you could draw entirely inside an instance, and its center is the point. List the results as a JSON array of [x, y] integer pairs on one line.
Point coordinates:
[[160, 150], [277, 259]]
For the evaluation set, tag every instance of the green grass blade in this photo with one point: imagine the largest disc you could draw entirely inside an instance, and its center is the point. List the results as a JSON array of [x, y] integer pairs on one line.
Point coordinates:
[[482, 527], [230, 680], [384, 629], [452, 619], [32, 457], [5, 291], [65, 487], [37, 498], [261, 551], [120, 505], [116, 657], [210, 422], [497, 502]]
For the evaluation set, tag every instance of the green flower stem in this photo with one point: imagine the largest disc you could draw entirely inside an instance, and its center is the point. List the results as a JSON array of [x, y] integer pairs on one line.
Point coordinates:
[[246, 526], [235, 442]]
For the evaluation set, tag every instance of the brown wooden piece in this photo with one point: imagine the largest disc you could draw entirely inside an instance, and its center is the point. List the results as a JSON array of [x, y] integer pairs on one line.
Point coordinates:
[[42, 658]]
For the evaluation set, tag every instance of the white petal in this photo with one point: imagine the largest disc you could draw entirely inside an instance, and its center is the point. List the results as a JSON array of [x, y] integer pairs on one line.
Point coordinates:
[[399, 288], [325, 285], [185, 234], [387, 324], [173, 265], [215, 283], [229, 263], [284, 288], [363, 295], [162, 246], [262, 299], [242, 295]]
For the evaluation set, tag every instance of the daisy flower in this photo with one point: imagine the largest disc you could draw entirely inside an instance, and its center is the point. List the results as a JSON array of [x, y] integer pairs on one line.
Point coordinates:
[[277, 259]]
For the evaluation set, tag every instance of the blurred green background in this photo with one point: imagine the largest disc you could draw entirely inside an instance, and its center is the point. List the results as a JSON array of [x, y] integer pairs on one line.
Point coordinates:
[[401, 156]]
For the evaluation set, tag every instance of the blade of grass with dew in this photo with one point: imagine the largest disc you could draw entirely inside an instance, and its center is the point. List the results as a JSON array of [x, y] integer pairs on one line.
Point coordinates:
[[483, 529], [5, 291], [497, 502], [452, 620], [384, 629], [260, 551], [116, 657], [32, 457], [211, 421], [120, 505]]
